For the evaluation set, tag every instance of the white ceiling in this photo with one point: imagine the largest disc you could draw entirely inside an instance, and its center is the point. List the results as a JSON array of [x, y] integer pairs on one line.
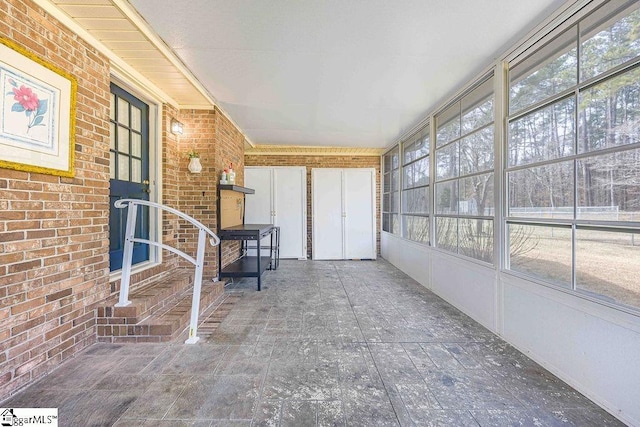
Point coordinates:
[[345, 73]]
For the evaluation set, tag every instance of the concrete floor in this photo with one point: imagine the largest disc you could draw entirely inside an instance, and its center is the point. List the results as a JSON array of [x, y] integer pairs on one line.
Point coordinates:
[[324, 343]]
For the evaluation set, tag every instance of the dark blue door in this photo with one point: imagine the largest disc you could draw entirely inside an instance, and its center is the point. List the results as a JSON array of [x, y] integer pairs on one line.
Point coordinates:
[[129, 152]]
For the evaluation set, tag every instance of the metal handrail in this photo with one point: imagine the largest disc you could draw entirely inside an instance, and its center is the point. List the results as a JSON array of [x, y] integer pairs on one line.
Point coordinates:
[[127, 256]]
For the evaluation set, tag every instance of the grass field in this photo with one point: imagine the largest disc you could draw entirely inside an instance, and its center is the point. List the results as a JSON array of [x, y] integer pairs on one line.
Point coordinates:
[[607, 263]]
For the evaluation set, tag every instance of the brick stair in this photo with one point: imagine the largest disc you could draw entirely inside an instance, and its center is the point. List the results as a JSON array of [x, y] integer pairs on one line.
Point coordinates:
[[159, 311]]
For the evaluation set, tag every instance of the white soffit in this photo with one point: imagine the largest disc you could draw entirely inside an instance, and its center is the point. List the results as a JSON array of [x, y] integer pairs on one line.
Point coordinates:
[[122, 32]]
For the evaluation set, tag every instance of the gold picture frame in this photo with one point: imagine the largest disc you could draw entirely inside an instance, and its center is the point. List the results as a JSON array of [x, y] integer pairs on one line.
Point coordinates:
[[37, 113]]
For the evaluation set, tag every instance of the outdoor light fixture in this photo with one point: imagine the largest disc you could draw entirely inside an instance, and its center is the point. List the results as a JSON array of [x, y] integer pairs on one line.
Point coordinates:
[[176, 127]]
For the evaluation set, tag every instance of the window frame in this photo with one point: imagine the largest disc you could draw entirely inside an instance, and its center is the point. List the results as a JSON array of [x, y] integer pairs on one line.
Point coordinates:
[[575, 223], [458, 176], [423, 134]]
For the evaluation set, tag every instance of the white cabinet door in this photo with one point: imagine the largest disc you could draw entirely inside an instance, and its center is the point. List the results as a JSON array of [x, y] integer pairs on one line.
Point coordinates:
[[327, 214], [359, 206], [258, 207], [281, 199], [290, 210], [343, 214]]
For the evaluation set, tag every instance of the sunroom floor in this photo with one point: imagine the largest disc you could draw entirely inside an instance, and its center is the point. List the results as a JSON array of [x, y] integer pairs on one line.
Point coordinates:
[[354, 343]]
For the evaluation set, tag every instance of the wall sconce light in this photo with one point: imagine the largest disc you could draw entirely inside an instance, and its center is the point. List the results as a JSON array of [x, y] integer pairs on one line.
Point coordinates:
[[176, 127]]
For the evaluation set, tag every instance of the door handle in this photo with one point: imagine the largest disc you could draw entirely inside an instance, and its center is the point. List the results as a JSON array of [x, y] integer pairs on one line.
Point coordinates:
[[146, 189]]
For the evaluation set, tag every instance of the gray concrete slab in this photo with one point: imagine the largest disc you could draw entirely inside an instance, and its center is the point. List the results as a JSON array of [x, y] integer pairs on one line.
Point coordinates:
[[323, 344]]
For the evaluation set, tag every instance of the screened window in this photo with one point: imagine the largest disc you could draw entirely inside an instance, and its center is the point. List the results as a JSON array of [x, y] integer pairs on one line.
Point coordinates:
[[415, 187], [390, 191], [573, 158], [464, 159]]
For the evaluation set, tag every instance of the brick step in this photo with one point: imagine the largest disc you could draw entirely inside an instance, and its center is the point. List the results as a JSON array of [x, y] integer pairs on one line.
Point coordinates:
[[148, 298], [159, 311], [171, 321]]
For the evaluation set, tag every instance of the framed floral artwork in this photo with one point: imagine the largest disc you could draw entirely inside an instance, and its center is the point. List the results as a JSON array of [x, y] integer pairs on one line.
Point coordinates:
[[37, 113]]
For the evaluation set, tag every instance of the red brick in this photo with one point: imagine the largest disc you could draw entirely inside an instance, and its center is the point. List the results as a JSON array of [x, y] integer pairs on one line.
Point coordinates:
[[25, 266], [26, 306], [11, 237], [57, 331]]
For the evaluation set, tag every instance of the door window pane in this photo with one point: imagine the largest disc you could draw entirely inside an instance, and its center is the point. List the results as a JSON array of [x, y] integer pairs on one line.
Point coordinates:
[[545, 134], [112, 136], [112, 107], [112, 165], [610, 113], [136, 119], [123, 139], [540, 251], [123, 112], [123, 167], [136, 170], [136, 144], [608, 265]]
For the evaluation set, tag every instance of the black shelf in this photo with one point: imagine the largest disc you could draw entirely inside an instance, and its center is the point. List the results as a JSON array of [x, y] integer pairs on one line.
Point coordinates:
[[237, 188], [246, 232], [247, 266]]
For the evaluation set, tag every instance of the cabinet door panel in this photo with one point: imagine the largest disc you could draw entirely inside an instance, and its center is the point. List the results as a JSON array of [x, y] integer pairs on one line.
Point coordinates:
[[289, 201], [327, 214], [359, 200], [258, 207]]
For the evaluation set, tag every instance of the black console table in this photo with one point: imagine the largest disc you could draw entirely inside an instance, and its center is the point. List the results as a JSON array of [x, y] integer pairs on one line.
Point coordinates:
[[250, 266]]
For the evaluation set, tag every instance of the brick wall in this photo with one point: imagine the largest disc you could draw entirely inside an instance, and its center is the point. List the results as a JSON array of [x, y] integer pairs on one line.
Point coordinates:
[[311, 162], [219, 143], [54, 238], [196, 192], [171, 178], [229, 146]]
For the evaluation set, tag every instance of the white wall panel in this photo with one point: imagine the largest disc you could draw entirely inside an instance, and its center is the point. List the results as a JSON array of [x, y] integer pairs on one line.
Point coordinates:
[[410, 257], [466, 285], [592, 347], [597, 356]]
